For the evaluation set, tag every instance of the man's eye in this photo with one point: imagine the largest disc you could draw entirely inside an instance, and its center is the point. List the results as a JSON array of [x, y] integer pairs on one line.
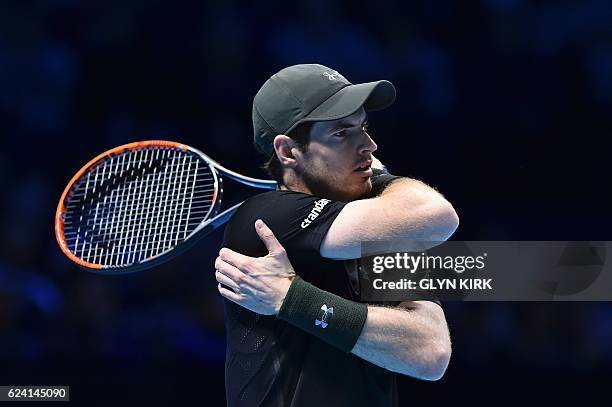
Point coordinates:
[[340, 133], [365, 127]]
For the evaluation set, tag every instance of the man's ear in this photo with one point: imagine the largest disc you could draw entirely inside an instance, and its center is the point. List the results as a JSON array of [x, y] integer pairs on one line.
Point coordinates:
[[283, 145]]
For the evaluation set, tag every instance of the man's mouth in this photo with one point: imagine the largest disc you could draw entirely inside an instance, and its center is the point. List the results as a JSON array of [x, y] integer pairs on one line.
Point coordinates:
[[364, 168]]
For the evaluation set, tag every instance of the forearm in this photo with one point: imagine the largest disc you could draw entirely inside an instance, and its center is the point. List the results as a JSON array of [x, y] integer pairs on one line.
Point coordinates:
[[415, 211], [405, 210], [413, 342], [407, 191]]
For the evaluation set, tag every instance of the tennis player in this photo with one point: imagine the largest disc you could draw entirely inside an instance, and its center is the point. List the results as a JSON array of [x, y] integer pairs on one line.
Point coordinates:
[[297, 334]]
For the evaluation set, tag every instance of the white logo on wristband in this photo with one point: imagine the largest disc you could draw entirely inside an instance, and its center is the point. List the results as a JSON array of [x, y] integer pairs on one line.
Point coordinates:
[[325, 312]]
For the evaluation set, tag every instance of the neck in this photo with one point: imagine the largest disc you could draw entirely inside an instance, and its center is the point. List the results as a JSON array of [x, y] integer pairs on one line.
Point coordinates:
[[292, 181]]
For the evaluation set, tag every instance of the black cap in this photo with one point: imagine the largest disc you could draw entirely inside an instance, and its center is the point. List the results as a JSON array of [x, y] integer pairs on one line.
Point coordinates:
[[310, 92]]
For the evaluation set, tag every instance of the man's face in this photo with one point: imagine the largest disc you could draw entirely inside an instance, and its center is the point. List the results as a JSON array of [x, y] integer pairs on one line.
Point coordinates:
[[337, 162]]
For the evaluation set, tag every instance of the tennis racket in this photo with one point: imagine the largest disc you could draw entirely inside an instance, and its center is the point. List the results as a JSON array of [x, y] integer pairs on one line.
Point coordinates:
[[140, 204]]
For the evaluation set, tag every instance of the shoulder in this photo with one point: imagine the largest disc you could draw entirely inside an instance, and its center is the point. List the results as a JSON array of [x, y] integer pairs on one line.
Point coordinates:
[[287, 213], [275, 208], [274, 204], [278, 196], [270, 198]]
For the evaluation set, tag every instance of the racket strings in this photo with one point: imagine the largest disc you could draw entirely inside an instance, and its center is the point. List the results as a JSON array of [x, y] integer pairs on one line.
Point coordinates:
[[153, 203], [91, 195], [146, 234], [170, 198], [95, 189], [138, 204], [103, 225]]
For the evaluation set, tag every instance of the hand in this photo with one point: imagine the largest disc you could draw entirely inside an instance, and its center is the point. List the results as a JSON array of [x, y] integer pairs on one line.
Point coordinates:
[[259, 284]]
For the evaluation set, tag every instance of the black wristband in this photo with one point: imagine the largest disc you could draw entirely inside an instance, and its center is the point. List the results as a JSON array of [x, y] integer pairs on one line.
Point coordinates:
[[327, 316]]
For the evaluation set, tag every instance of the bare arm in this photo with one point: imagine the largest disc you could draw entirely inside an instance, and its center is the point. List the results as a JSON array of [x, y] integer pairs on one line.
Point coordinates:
[[407, 209], [413, 342]]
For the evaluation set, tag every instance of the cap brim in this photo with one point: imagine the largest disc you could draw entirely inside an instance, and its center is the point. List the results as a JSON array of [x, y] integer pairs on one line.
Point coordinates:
[[371, 95]]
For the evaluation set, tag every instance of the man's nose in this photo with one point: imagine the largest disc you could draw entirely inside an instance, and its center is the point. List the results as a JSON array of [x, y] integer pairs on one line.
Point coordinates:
[[368, 145]]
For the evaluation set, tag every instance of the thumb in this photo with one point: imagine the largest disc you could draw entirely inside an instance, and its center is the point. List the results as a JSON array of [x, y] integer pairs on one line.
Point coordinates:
[[267, 237]]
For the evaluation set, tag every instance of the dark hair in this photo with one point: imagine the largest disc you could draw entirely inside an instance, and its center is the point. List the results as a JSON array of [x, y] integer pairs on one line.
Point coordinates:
[[301, 135]]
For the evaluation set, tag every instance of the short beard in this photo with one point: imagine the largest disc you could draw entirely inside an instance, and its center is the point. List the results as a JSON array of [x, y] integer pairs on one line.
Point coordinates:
[[322, 187], [318, 187]]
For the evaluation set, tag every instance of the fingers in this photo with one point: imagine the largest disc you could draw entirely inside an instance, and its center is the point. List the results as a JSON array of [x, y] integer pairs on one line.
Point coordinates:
[[232, 277], [228, 270], [226, 281], [234, 258], [229, 294], [267, 237]]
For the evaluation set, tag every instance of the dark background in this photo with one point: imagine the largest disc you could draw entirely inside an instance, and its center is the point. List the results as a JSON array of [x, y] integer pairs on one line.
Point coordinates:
[[504, 106]]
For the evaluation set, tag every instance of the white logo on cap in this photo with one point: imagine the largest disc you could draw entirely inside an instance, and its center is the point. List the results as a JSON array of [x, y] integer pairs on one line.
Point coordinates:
[[331, 76]]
